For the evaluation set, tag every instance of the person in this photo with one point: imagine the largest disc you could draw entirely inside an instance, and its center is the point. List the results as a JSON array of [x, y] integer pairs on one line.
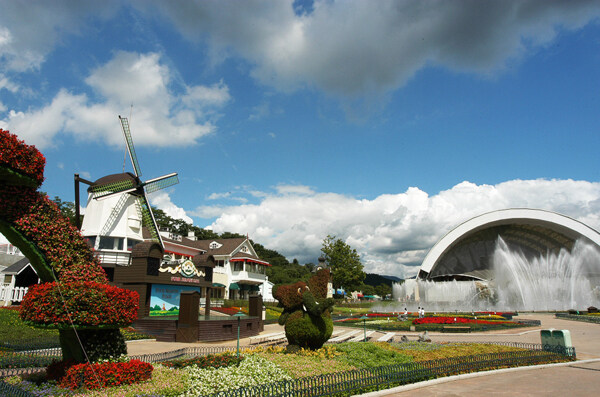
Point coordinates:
[[422, 312], [405, 312], [419, 311]]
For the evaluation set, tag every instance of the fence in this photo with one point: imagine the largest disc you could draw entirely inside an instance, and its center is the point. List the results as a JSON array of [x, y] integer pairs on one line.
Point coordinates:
[[10, 390], [183, 352], [381, 378], [9, 293]]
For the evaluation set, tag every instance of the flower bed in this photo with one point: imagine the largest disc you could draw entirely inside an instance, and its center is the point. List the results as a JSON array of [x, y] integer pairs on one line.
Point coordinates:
[[455, 320], [229, 310], [108, 374]]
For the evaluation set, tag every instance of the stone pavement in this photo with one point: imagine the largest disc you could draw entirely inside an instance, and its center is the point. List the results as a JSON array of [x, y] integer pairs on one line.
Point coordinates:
[[579, 378]]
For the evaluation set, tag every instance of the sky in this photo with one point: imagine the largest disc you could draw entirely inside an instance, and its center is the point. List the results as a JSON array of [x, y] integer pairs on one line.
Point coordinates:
[[385, 124]]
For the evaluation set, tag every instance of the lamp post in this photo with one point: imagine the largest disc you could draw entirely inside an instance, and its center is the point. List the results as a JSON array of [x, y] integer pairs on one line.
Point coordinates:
[[239, 315], [364, 318]]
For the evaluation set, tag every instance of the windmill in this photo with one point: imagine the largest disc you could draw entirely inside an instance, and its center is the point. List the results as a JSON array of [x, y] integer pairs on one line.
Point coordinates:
[[126, 192]]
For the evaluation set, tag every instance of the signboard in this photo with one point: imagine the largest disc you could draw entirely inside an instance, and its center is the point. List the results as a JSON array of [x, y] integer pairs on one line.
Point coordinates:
[[164, 299]]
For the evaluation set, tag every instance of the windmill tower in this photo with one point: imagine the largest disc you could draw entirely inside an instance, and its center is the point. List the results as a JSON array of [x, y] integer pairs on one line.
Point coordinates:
[[118, 208]]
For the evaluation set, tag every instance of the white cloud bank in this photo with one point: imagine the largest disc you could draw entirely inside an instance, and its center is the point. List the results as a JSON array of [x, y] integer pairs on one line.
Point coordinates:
[[392, 232], [162, 200], [162, 115]]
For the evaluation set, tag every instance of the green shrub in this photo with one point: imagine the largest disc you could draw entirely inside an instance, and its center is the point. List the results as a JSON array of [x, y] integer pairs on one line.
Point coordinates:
[[308, 331]]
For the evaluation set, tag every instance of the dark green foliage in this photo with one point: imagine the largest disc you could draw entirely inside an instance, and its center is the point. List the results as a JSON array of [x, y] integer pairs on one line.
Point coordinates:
[[181, 227], [98, 344], [376, 279], [308, 331], [344, 261], [306, 314]]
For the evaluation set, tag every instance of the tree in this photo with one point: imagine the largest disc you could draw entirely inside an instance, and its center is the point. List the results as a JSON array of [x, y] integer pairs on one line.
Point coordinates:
[[383, 290], [344, 261], [67, 208]]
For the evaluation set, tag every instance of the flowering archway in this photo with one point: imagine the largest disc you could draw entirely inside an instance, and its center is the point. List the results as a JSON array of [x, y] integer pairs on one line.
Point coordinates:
[[74, 296]]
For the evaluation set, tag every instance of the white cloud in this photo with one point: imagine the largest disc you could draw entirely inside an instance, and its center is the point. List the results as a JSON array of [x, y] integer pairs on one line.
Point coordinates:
[[24, 46], [162, 201], [160, 117], [359, 47], [294, 189], [8, 85], [392, 232]]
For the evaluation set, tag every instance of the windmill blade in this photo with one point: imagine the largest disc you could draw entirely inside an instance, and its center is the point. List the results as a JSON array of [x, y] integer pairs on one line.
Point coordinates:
[[148, 219], [112, 188], [130, 148], [162, 182], [114, 214]]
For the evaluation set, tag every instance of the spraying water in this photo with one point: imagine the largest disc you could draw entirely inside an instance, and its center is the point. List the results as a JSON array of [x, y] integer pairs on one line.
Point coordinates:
[[555, 281]]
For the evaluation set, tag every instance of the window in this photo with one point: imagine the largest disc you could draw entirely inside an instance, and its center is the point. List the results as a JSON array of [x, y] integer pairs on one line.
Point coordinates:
[[111, 243], [220, 263], [238, 266], [91, 241], [132, 243]]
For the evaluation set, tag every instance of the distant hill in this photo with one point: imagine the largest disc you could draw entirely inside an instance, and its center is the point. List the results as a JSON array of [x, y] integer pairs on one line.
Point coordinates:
[[376, 279]]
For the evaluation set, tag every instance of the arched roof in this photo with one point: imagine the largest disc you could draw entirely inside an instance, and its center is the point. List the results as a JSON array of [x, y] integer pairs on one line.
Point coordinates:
[[533, 230]]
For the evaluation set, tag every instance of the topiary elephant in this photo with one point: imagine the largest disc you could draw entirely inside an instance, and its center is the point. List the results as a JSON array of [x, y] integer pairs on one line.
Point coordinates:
[[306, 314]]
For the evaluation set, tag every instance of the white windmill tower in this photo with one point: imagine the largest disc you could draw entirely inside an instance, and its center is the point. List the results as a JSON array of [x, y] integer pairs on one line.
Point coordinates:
[[117, 209]]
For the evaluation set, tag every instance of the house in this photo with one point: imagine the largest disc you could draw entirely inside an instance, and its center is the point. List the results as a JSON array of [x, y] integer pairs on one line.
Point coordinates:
[[238, 270], [16, 280]]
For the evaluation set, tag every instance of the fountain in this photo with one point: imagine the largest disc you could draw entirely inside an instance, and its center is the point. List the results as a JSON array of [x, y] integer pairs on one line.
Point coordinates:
[[555, 281]]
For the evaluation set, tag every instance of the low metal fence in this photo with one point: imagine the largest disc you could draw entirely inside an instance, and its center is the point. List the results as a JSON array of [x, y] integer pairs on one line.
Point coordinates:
[[10, 390], [30, 358], [183, 352], [32, 344], [576, 317], [381, 378]]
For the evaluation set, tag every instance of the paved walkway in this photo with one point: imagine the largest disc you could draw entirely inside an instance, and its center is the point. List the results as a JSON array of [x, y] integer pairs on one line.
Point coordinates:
[[579, 378]]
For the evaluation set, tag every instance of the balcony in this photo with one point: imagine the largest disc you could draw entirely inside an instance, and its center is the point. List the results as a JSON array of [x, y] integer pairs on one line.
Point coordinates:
[[243, 275], [110, 257]]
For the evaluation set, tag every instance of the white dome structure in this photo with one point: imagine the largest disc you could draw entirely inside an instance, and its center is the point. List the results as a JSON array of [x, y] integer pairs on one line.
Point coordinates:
[[465, 253]]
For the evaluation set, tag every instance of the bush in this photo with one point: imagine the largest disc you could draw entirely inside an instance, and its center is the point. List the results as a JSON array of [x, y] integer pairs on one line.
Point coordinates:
[[102, 344], [108, 374], [308, 331], [88, 303], [56, 371]]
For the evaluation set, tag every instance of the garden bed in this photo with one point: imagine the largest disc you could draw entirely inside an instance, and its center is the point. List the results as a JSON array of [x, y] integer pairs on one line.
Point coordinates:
[[333, 369]]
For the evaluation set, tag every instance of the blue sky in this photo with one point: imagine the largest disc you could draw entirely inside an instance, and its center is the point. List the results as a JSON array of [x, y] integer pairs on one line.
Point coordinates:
[[383, 123]]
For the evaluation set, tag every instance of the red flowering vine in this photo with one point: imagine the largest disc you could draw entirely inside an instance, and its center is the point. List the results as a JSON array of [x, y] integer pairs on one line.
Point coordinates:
[[34, 217], [16, 155]]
